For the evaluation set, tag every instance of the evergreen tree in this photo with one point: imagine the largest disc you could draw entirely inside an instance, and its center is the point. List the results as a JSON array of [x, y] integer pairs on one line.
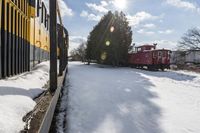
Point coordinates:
[[110, 39]]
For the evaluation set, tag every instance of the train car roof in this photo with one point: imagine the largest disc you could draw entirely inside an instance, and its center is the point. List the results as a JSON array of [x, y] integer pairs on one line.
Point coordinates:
[[146, 45]]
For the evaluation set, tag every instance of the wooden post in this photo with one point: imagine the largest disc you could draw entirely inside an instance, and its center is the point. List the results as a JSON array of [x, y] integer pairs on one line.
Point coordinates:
[[53, 45]]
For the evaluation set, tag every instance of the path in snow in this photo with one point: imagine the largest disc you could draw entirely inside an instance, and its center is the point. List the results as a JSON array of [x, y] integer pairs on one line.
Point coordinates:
[[125, 100]]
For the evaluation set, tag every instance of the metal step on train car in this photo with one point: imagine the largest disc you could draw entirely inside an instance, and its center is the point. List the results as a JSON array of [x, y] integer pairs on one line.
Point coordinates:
[[24, 35], [150, 57]]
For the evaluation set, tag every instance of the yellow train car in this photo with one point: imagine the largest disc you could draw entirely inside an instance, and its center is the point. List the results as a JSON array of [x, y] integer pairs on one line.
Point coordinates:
[[24, 35], [39, 32]]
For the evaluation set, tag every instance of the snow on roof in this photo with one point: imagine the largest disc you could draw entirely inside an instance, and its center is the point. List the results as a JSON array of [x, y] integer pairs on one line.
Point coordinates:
[[145, 45]]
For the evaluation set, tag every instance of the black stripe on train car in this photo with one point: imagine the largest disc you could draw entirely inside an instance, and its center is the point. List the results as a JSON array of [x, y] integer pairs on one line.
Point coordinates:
[[12, 42], [24, 48], [28, 55], [8, 43], [18, 45], [14, 45], [21, 48], [17, 54], [4, 53], [4, 42], [25, 56], [27, 49], [25, 45], [21, 38], [25, 63], [22, 45]]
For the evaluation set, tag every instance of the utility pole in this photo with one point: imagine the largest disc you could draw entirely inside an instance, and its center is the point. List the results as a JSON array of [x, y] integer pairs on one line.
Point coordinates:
[[53, 45]]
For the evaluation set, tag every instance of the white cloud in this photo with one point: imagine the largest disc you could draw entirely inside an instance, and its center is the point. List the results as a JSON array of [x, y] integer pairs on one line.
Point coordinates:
[[168, 31], [183, 4], [64, 9], [147, 32], [96, 10], [172, 45], [149, 26], [90, 16], [104, 3], [140, 17], [100, 8], [142, 31], [75, 41]]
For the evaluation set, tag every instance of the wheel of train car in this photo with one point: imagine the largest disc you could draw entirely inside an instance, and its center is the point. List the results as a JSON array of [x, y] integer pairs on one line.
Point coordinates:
[[132, 66], [162, 68], [151, 68]]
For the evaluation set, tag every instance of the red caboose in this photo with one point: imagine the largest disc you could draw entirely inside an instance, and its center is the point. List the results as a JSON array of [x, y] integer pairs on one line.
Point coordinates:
[[150, 57]]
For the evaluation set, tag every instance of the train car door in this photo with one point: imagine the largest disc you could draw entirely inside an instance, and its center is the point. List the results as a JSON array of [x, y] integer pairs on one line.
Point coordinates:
[[164, 56], [159, 57]]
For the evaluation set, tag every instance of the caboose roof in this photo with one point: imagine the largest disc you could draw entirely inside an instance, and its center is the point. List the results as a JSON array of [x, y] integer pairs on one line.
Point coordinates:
[[146, 45]]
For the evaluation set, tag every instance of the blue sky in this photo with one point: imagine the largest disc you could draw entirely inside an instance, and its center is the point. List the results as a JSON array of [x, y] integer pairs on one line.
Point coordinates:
[[152, 21]]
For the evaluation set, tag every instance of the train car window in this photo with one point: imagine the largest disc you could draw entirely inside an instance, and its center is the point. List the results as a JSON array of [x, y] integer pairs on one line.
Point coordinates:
[[139, 49], [154, 54], [38, 8], [169, 54], [47, 22], [42, 14], [45, 16], [159, 53]]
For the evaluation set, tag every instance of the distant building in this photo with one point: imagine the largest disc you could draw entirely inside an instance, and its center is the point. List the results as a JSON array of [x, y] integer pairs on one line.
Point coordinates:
[[184, 57], [193, 56]]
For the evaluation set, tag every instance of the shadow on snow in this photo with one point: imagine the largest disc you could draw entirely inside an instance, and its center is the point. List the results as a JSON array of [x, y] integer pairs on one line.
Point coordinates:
[[32, 93]]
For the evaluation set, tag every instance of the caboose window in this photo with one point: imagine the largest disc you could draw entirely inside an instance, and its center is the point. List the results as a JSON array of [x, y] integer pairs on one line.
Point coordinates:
[[139, 49], [164, 54], [159, 53]]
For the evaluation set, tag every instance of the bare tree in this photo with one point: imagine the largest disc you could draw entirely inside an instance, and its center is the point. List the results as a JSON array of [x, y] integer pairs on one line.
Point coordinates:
[[78, 54], [191, 40]]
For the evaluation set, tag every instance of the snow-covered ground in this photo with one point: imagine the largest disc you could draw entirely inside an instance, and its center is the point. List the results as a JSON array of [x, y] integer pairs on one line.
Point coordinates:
[[126, 100], [16, 97]]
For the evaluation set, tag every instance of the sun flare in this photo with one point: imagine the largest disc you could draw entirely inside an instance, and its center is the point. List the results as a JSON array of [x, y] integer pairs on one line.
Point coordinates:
[[121, 4]]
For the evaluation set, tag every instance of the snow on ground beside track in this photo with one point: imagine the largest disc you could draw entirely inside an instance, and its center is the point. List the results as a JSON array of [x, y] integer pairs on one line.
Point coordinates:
[[16, 97], [126, 100]]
